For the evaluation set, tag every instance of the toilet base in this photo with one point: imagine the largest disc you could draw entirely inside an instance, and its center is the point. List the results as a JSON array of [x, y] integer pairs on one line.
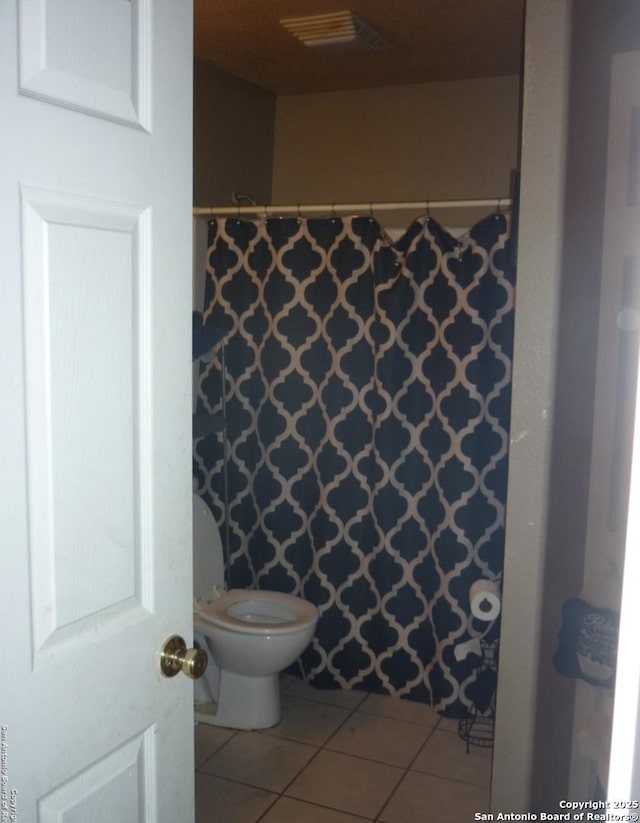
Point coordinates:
[[243, 703]]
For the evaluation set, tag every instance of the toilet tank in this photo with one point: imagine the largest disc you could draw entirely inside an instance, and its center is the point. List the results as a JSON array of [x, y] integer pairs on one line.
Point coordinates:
[[208, 558]]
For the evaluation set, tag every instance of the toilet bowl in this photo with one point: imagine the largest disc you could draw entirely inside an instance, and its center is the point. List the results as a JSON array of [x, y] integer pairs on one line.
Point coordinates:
[[249, 636]]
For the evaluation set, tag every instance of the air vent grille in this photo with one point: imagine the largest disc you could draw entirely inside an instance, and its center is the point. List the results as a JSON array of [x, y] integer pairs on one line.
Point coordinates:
[[337, 28]]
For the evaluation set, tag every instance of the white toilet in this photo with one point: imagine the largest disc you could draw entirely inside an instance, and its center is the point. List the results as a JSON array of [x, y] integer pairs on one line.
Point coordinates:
[[249, 636]]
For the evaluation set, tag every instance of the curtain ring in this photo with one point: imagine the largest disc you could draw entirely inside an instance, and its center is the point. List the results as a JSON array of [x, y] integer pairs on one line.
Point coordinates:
[[299, 215], [333, 209], [266, 213], [370, 209], [498, 205], [428, 208]]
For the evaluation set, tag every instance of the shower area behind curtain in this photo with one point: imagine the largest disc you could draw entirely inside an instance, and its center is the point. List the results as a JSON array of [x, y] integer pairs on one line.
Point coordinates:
[[366, 393]]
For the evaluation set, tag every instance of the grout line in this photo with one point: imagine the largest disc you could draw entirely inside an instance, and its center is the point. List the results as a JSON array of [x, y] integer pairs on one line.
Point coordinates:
[[268, 809], [312, 699], [317, 702], [453, 780], [391, 793], [417, 754], [318, 806], [406, 772], [298, 773], [244, 783], [284, 687], [217, 749], [367, 759], [415, 723]]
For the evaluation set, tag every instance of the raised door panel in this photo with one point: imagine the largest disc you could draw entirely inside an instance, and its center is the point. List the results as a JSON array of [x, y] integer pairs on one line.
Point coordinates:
[[116, 788], [91, 55], [87, 345]]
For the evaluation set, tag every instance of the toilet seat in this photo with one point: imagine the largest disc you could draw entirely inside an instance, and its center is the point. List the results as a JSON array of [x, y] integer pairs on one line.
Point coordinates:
[[257, 612]]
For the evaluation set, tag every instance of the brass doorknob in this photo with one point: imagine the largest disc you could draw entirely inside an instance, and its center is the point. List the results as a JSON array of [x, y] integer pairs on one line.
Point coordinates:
[[175, 657]]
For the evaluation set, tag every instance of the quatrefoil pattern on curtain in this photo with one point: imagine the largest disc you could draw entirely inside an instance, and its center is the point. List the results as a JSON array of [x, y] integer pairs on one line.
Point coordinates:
[[366, 394]]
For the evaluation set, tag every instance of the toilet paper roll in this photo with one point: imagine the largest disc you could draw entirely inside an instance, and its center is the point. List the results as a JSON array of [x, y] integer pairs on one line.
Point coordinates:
[[463, 650], [484, 600]]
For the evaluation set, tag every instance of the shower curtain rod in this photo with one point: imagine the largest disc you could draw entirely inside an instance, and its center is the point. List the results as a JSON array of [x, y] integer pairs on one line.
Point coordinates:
[[347, 208]]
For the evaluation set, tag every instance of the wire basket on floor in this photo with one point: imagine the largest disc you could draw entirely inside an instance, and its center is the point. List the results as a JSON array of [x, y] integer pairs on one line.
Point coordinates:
[[476, 729]]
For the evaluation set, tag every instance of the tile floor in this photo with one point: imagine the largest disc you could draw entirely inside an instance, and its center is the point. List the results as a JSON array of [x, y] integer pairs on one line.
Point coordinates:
[[341, 757]]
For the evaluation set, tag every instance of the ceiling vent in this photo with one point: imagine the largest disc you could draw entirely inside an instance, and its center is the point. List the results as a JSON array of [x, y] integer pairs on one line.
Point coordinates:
[[337, 28]]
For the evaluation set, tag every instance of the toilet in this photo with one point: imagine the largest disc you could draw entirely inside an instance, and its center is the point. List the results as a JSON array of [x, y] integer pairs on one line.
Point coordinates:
[[249, 636]]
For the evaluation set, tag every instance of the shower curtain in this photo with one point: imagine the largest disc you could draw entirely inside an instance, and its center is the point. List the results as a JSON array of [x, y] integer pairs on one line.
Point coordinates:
[[366, 393]]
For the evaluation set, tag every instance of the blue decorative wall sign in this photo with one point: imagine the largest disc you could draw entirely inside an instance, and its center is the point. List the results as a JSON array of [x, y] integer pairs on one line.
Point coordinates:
[[587, 644]]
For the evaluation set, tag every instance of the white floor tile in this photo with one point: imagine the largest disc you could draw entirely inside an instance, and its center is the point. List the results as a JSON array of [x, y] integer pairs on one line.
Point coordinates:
[[282, 775], [345, 783], [288, 810], [444, 754], [228, 802], [259, 760], [423, 798], [449, 724], [307, 722], [407, 710], [208, 740], [379, 738]]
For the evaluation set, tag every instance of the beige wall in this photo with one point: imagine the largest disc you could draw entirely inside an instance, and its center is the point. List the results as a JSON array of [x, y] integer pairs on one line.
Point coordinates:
[[449, 140], [233, 138], [233, 126], [433, 141], [565, 114], [598, 31], [540, 238]]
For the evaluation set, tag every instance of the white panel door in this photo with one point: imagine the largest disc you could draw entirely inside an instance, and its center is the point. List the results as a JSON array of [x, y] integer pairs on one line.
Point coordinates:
[[95, 409]]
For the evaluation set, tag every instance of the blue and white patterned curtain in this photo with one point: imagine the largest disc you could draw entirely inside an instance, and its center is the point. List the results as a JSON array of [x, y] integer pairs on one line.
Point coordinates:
[[367, 394]]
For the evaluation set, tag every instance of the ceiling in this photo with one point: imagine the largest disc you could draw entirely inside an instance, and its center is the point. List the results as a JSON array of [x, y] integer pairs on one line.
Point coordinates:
[[434, 40]]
